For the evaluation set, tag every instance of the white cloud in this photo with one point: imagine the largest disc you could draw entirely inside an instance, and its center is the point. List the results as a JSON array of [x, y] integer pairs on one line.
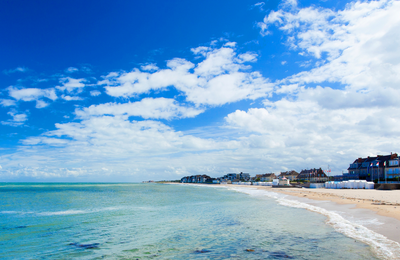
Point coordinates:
[[18, 69], [33, 94], [357, 51], [118, 137], [95, 93], [71, 70], [230, 44], [41, 104], [302, 130], [221, 77], [7, 102], [149, 67], [247, 57], [259, 5], [17, 118], [47, 140], [71, 85], [361, 43], [159, 108], [131, 148], [69, 98]]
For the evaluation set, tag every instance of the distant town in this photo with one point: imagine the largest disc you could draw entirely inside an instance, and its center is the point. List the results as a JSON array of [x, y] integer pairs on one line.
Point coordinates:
[[378, 169]]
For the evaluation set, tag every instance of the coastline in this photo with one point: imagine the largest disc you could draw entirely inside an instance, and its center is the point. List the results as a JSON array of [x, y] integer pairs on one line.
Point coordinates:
[[353, 213], [383, 202], [376, 210]]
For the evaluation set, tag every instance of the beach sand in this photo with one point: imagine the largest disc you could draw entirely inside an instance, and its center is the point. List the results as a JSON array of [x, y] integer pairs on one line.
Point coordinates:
[[383, 202], [378, 210]]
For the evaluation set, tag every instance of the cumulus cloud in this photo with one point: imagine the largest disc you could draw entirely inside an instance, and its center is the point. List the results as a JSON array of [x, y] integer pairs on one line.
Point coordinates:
[[17, 118], [69, 98], [71, 85], [137, 137], [355, 51], [149, 67], [302, 132], [357, 47], [33, 94], [159, 108], [30, 94], [71, 70], [95, 93], [7, 102], [41, 104], [219, 78], [307, 123], [124, 147]]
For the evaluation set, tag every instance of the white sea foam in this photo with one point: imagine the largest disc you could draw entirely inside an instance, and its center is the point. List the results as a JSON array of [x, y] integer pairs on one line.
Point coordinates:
[[382, 246], [15, 212], [75, 212], [60, 213], [8, 212]]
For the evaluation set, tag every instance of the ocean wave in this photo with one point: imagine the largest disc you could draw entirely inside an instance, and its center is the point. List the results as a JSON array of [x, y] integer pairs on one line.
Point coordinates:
[[60, 213], [65, 212], [382, 246], [15, 212]]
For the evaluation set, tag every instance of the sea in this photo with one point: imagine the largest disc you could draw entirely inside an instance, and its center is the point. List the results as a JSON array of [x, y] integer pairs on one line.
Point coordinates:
[[167, 221]]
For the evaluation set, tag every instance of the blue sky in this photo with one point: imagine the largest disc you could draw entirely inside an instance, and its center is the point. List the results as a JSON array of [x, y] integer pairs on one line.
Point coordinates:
[[139, 90]]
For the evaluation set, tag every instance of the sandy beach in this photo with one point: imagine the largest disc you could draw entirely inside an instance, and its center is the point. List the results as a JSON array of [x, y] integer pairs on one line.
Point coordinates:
[[383, 202]]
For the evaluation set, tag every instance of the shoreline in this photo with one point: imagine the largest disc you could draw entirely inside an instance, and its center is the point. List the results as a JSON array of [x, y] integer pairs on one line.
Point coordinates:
[[382, 202], [353, 205], [368, 216]]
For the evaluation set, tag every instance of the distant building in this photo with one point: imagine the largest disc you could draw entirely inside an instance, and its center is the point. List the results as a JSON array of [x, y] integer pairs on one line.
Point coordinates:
[[290, 175], [244, 176], [374, 168], [230, 177], [196, 179], [392, 169], [284, 182], [313, 175], [267, 177]]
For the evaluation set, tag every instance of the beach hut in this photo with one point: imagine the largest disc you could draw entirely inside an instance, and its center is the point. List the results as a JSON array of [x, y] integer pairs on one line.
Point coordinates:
[[370, 185]]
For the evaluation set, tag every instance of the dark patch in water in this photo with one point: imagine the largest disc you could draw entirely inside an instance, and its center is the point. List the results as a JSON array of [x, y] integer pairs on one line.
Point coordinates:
[[85, 246], [202, 251], [21, 227], [280, 255], [11, 228]]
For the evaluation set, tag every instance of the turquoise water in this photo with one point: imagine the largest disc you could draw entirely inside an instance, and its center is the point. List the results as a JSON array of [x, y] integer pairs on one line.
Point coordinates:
[[146, 221]]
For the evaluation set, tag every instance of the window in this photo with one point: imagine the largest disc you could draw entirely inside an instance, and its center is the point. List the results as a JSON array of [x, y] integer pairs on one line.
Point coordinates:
[[393, 162], [365, 164], [393, 171]]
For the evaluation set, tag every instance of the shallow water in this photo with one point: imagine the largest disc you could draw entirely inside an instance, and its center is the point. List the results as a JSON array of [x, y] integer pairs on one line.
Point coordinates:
[[143, 221]]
